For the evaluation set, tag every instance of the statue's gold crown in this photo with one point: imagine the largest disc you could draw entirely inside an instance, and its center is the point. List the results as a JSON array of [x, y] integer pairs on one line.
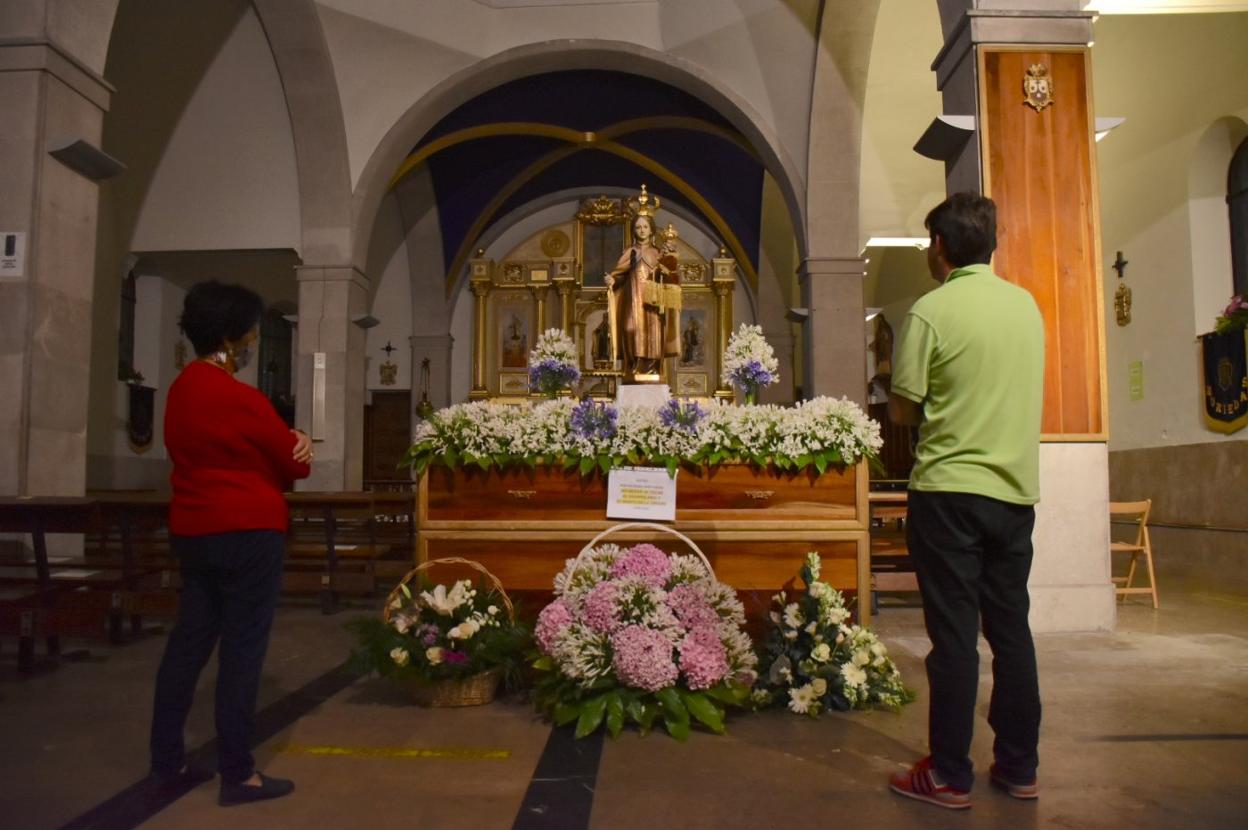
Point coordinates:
[[644, 205], [669, 233]]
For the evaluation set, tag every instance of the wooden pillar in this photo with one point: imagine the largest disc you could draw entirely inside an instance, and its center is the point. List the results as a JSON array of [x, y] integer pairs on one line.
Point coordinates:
[[1032, 152], [1039, 167]]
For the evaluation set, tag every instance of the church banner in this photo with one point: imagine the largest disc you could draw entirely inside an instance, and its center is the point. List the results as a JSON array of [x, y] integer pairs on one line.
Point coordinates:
[[1225, 359]]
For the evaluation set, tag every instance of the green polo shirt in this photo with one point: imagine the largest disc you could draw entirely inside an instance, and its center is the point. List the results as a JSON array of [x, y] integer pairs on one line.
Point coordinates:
[[972, 353]]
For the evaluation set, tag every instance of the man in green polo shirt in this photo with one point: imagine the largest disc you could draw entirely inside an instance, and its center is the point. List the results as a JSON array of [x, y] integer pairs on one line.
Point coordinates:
[[968, 370]]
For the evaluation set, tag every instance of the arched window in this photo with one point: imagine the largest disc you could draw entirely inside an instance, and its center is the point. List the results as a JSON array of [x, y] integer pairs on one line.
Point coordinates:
[[1237, 207]]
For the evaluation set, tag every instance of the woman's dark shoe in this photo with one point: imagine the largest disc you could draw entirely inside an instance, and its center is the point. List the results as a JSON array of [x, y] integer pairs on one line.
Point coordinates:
[[232, 794]]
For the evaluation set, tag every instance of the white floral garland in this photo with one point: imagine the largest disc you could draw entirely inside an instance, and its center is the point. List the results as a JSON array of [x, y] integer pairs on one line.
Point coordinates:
[[820, 432]]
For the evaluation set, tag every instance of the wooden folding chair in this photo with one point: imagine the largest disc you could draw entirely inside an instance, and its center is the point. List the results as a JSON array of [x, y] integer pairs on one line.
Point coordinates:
[[1136, 512]]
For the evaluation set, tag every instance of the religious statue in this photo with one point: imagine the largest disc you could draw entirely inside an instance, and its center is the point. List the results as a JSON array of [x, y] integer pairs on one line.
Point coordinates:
[[600, 347], [643, 294]]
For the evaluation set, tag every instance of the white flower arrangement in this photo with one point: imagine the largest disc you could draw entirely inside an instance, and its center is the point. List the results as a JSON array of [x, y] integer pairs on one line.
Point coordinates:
[[813, 660], [749, 361], [821, 433], [553, 344], [553, 363]]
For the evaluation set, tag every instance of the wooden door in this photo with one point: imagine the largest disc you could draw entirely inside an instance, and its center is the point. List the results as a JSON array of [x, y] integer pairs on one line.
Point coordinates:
[[387, 435]]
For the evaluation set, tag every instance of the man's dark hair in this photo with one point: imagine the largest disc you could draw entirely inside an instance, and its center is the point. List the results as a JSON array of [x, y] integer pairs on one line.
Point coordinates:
[[967, 225], [215, 312]]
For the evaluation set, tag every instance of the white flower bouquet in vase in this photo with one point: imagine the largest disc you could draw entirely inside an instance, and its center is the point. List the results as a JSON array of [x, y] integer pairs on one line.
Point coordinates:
[[815, 660], [452, 644], [553, 363], [750, 362], [638, 635]]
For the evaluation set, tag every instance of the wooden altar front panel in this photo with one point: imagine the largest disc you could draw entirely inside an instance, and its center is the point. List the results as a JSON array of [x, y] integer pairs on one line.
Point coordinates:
[[1039, 167], [524, 524]]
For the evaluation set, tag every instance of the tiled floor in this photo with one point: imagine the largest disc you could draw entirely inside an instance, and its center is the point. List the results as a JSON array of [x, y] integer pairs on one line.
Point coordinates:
[[1145, 727]]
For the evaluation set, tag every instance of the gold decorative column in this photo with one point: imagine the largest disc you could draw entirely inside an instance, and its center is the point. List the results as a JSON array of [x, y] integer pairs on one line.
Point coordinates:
[[540, 289], [479, 282], [563, 270], [723, 283]]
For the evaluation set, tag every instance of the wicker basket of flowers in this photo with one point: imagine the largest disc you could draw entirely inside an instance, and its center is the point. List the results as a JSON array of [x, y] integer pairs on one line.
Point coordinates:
[[450, 645]]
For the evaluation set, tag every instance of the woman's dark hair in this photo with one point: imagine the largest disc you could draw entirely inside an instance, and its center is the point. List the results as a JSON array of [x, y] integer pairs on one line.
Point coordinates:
[[967, 225], [215, 312]]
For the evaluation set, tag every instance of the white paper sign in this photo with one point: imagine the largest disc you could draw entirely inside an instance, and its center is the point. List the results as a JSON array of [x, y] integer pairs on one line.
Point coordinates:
[[641, 493], [12, 254]]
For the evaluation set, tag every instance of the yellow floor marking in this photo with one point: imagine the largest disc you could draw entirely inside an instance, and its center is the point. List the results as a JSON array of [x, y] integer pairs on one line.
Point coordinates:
[[397, 752]]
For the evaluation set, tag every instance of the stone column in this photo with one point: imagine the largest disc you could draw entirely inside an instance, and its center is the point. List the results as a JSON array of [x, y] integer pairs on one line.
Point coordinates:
[[481, 271], [49, 94], [1046, 198], [834, 334], [331, 373]]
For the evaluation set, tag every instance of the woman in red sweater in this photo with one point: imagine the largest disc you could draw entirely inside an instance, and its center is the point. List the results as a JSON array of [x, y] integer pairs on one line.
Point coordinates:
[[233, 458]]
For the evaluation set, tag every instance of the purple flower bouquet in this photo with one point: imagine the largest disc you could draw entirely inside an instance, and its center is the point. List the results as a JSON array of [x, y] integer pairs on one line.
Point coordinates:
[[638, 635]]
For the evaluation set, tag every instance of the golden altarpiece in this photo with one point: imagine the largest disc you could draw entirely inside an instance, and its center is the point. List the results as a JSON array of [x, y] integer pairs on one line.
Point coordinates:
[[555, 279]]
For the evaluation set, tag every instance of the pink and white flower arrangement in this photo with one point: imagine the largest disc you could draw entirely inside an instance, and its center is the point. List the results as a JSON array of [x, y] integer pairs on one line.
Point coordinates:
[[639, 635]]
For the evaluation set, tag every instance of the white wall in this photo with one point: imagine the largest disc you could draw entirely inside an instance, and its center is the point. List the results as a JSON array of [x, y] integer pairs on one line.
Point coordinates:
[[897, 185], [227, 177], [1195, 67], [392, 300]]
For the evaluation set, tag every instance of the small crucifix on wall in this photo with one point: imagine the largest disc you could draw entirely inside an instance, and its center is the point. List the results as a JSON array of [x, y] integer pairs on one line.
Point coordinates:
[[388, 371], [1122, 297]]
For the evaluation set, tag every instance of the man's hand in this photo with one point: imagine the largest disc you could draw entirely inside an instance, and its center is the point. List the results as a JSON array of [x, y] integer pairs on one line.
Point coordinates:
[[903, 411], [609, 280], [303, 447]]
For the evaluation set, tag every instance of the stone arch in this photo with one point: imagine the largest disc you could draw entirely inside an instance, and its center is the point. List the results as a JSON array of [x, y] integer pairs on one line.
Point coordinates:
[[1209, 229], [555, 56], [301, 53]]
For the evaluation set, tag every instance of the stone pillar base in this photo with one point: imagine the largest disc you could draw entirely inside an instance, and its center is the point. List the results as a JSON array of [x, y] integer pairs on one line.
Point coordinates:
[[1070, 586]]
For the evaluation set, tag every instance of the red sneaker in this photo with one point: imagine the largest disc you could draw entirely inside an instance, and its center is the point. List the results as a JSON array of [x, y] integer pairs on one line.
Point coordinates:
[[1014, 788], [920, 784]]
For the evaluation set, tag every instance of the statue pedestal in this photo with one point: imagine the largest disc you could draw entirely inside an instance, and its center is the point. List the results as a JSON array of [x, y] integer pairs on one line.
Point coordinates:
[[642, 394]]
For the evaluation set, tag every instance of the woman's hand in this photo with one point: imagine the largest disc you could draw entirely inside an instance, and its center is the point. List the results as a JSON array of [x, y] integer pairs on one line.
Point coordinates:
[[303, 447]]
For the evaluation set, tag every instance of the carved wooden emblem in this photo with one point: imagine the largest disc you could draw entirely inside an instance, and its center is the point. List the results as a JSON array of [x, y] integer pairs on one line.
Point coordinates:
[[602, 211], [1038, 87]]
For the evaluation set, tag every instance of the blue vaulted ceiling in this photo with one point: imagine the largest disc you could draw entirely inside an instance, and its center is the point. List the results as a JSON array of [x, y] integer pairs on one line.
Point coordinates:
[[469, 175]]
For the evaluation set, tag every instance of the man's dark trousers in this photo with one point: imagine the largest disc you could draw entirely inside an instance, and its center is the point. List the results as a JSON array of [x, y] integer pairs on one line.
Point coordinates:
[[230, 587], [973, 555]]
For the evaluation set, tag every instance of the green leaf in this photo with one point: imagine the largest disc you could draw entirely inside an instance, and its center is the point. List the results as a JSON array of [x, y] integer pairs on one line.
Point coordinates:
[[642, 713], [569, 461], [716, 458], [592, 712], [604, 464], [706, 712], [565, 713], [615, 714], [673, 707], [672, 463], [544, 663], [821, 463], [450, 458], [587, 465], [678, 730]]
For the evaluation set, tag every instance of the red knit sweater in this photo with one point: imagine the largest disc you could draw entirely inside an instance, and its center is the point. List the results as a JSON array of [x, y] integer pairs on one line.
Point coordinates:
[[231, 455]]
